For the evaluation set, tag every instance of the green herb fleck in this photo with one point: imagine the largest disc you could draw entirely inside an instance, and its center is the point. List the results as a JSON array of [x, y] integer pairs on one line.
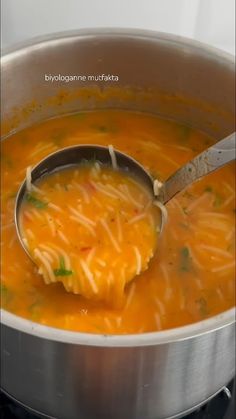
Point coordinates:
[[105, 128], [208, 189], [218, 201], [207, 142], [90, 162], [62, 271], [6, 160], [218, 198], [79, 115], [102, 128], [155, 175], [183, 225], [185, 260], [58, 136], [4, 289], [184, 133], [12, 195], [34, 310], [84, 161], [202, 305], [35, 201], [6, 294], [188, 195]]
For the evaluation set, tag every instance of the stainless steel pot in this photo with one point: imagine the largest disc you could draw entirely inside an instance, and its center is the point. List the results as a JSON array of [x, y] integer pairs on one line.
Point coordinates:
[[69, 375]]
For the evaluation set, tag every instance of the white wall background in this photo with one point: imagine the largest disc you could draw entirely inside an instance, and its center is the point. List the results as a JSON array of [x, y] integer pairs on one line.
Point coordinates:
[[210, 21]]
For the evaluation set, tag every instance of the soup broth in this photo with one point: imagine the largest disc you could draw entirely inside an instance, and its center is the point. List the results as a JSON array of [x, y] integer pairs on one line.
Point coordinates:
[[190, 278], [90, 227]]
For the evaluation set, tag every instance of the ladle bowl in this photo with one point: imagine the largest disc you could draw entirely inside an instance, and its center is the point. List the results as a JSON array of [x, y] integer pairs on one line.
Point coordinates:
[[75, 156]]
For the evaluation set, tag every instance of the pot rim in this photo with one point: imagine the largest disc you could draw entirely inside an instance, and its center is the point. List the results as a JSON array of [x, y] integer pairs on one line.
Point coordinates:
[[177, 334], [212, 324], [34, 43]]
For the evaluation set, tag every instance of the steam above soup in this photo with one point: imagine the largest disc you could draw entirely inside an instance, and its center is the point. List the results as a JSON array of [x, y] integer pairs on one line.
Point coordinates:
[[190, 278]]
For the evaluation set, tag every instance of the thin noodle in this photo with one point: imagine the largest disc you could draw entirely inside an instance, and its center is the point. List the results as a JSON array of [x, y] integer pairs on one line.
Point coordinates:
[[158, 321], [30, 234], [34, 188], [90, 255], [163, 210], [28, 179], [118, 193], [50, 250], [102, 189], [48, 257], [119, 228], [83, 191], [224, 267], [82, 217], [89, 276], [64, 254], [63, 237], [84, 224], [197, 202], [129, 196], [113, 157], [11, 242], [130, 295], [137, 218], [46, 264], [157, 186], [51, 225], [55, 207], [112, 238], [138, 260], [160, 306], [215, 250], [37, 214]]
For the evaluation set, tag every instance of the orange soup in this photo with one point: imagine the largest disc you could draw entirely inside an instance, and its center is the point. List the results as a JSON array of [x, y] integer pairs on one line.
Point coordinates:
[[191, 276], [91, 227]]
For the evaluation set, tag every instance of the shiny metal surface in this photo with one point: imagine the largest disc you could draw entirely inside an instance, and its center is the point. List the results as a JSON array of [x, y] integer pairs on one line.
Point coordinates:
[[211, 159], [70, 375]]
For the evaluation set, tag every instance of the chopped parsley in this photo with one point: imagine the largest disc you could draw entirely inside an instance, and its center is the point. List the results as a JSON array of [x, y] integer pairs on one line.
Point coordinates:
[[58, 136], [103, 128], [184, 226], [79, 115], [6, 160], [184, 133], [218, 200], [202, 305], [62, 271], [6, 294], [208, 189], [35, 201], [185, 260], [34, 310]]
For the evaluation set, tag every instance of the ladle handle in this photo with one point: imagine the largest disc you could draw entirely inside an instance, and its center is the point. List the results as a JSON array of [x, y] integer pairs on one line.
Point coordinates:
[[208, 161]]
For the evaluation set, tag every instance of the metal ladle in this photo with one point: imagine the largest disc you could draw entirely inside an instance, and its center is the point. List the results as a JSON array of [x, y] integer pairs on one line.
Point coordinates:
[[208, 161]]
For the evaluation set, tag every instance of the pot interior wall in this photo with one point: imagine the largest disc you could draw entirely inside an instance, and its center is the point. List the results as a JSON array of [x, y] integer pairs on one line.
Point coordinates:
[[156, 74]]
